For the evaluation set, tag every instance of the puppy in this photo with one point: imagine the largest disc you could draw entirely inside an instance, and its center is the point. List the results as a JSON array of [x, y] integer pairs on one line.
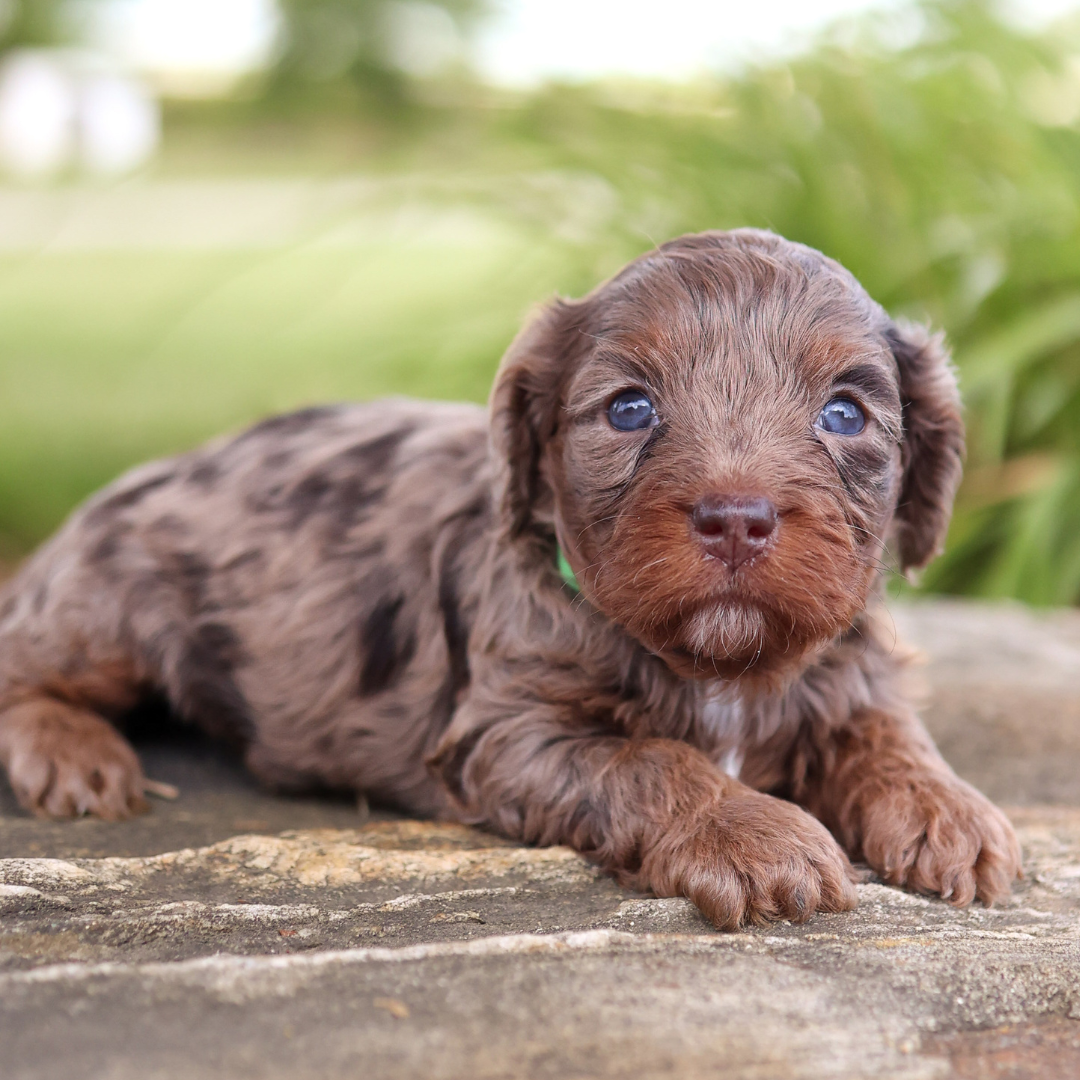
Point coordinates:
[[629, 608]]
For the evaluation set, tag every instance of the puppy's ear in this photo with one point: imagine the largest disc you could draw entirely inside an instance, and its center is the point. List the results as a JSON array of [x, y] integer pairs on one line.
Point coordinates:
[[933, 447], [525, 410]]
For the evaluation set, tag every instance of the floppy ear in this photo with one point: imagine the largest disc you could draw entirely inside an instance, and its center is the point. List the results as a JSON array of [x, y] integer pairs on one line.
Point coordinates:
[[524, 410], [933, 447]]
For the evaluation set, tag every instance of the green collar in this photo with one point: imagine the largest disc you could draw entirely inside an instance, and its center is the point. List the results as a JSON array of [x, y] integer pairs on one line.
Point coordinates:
[[566, 571]]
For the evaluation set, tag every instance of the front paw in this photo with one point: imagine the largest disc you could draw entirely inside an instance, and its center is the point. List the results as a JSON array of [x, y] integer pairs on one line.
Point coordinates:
[[753, 858], [65, 762], [936, 834]]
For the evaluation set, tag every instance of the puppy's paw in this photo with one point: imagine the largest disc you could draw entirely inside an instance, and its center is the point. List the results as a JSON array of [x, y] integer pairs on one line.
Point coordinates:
[[65, 762], [752, 859], [936, 834]]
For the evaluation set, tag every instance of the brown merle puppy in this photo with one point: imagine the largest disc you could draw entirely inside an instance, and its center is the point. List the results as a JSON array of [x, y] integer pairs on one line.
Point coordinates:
[[720, 439]]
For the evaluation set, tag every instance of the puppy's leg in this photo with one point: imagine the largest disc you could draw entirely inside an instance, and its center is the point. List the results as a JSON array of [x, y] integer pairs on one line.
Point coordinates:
[[62, 673], [58, 681], [655, 812], [882, 787]]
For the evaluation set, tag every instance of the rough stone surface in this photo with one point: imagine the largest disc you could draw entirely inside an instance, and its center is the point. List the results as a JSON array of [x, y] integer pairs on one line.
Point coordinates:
[[280, 937], [1002, 695]]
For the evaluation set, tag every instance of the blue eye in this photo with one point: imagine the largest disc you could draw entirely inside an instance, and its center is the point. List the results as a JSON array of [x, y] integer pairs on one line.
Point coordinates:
[[842, 417], [631, 411]]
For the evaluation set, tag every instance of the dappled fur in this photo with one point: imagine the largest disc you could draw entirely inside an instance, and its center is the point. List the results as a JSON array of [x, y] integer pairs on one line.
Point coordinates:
[[366, 597]]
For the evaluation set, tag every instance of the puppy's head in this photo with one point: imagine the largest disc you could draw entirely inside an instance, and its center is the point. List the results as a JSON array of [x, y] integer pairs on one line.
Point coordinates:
[[722, 439]]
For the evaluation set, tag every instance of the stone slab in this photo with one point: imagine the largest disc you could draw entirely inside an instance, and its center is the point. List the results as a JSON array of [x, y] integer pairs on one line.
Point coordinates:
[[1001, 691], [418, 950]]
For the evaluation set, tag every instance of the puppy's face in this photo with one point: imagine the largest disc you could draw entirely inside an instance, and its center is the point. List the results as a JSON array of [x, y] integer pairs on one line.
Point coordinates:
[[727, 451]]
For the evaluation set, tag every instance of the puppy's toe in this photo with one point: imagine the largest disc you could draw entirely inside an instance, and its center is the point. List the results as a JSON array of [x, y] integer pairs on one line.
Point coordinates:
[[999, 861], [31, 777], [945, 864], [838, 878]]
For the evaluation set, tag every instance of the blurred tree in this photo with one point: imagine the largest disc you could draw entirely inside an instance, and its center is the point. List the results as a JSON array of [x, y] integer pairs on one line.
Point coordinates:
[[369, 48], [29, 22], [330, 49]]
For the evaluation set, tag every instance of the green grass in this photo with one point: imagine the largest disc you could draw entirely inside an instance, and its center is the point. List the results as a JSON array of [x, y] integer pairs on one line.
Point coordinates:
[[107, 358]]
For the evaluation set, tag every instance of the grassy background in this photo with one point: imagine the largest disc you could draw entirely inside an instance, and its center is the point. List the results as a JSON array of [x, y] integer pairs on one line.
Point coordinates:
[[275, 259], [109, 357]]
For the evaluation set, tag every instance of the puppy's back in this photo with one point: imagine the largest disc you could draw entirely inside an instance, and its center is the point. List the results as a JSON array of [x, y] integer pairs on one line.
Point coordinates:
[[289, 588]]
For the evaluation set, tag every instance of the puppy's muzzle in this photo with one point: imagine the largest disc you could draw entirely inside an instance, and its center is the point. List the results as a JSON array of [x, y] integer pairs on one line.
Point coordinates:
[[734, 528]]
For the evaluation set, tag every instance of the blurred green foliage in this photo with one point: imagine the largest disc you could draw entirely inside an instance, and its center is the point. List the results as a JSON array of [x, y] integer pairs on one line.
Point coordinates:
[[934, 151], [110, 357], [30, 22], [349, 52]]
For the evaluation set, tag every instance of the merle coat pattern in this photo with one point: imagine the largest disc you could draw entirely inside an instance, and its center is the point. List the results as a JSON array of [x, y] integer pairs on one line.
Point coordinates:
[[367, 597]]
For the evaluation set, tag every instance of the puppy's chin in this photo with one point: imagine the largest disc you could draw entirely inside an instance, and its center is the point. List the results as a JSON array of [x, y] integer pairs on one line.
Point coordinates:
[[732, 639]]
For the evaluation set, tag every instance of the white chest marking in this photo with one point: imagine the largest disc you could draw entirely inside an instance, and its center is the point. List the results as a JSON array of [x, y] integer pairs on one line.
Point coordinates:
[[724, 717], [731, 762]]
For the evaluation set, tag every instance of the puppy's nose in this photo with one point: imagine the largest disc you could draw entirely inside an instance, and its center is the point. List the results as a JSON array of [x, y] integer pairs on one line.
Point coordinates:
[[734, 528]]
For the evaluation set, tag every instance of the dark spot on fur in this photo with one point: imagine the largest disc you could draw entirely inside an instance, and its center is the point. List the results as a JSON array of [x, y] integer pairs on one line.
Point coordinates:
[[292, 423], [632, 858], [450, 764], [190, 574], [105, 553], [371, 550], [455, 625], [376, 455], [853, 633], [206, 691], [384, 656], [205, 474], [245, 558], [864, 472], [41, 596], [122, 500], [307, 498], [278, 459], [96, 782], [192, 569], [169, 525], [648, 449], [106, 548], [220, 641], [455, 631], [8, 607], [342, 488]]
